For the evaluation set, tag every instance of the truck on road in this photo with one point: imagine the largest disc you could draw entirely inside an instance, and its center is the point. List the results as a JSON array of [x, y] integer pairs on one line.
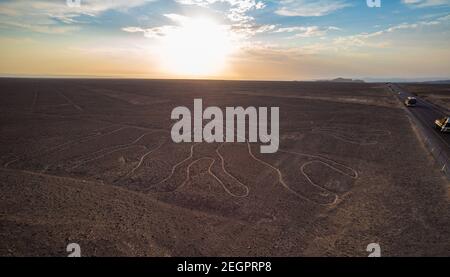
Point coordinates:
[[443, 124], [411, 102]]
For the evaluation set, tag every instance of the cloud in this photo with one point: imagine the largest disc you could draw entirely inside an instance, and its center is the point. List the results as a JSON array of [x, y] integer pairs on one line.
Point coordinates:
[[238, 23], [237, 9], [343, 45], [44, 28], [248, 30], [426, 3], [177, 18], [307, 31], [161, 31], [310, 8], [45, 16], [364, 39], [156, 32]]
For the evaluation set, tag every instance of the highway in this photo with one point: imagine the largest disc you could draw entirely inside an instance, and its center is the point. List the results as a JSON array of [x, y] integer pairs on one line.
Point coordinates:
[[425, 114]]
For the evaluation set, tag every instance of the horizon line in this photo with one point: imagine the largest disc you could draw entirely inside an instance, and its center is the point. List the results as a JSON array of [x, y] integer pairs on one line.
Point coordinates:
[[324, 79]]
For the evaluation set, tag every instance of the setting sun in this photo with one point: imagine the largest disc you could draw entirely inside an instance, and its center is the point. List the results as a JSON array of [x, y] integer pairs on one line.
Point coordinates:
[[198, 47]]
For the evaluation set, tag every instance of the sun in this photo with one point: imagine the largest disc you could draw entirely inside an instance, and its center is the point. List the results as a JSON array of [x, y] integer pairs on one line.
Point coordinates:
[[199, 47]]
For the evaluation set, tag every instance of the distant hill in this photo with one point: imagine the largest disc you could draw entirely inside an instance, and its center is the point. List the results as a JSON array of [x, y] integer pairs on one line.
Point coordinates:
[[431, 80], [343, 80], [438, 82]]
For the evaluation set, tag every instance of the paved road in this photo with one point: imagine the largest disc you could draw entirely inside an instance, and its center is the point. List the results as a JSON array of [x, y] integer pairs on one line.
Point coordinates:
[[425, 114]]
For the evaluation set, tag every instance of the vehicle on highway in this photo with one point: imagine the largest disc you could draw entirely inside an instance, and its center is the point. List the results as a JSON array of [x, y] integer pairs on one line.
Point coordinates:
[[443, 125], [411, 102]]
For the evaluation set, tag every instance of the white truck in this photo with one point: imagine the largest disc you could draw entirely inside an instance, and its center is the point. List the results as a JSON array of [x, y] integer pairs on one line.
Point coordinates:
[[443, 125]]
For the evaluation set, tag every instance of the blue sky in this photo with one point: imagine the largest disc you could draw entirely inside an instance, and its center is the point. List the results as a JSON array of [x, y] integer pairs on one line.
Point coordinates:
[[288, 39]]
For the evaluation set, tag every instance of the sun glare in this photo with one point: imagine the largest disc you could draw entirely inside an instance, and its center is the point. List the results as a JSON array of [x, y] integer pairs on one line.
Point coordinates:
[[198, 48]]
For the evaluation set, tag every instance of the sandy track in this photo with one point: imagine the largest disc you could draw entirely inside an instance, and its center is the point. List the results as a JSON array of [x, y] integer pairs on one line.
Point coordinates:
[[35, 99], [71, 102]]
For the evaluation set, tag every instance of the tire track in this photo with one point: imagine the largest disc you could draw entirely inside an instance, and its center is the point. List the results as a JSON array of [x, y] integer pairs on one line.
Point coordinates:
[[35, 99], [71, 102]]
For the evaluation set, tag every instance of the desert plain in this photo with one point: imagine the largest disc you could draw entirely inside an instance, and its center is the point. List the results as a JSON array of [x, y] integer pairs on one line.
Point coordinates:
[[92, 162]]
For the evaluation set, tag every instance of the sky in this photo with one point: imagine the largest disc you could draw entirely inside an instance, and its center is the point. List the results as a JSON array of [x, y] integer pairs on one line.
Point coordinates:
[[226, 39]]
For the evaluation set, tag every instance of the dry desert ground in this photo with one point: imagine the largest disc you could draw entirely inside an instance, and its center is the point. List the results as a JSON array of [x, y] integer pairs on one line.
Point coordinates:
[[93, 162]]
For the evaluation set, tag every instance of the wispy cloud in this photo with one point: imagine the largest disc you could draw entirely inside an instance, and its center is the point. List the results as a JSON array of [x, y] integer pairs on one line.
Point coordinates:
[[155, 32], [237, 21], [306, 31], [310, 8], [237, 11], [45, 16], [426, 3], [366, 39]]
